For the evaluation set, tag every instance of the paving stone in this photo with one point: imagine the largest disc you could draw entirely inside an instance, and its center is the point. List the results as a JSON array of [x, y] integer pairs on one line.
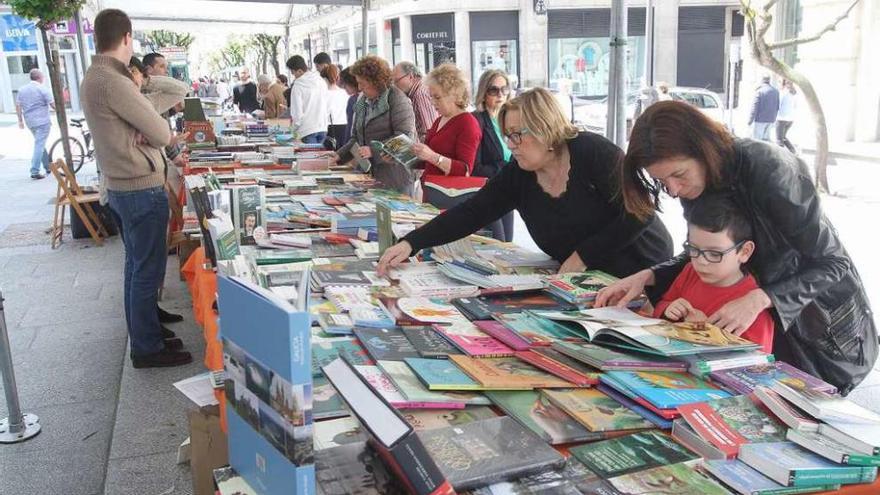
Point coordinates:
[[84, 425], [72, 471], [148, 475]]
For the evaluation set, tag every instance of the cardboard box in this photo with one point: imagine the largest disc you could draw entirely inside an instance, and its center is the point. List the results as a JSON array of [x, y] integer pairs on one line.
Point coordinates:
[[208, 449]]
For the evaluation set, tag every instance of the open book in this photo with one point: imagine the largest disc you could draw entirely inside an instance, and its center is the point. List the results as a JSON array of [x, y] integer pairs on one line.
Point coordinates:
[[625, 329], [399, 149]]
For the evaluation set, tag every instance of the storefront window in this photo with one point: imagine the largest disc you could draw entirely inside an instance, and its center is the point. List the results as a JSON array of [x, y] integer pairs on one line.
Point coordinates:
[[583, 65], [430, 55], [19, 70], [495, 55], [434, 40]]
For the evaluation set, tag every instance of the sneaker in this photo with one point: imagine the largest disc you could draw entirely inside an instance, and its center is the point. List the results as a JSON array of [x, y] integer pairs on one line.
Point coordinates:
[[162, 359], [166, 317], [167, 334], [38, 176], [173, 344]]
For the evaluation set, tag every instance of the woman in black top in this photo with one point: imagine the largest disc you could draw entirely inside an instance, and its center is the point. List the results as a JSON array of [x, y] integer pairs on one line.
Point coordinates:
[[493, 91], [564, 186], [824, 323]]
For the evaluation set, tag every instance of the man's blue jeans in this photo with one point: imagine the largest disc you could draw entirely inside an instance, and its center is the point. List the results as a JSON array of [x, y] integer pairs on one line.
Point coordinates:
[[317, 137], [41, 134], [143, 219]]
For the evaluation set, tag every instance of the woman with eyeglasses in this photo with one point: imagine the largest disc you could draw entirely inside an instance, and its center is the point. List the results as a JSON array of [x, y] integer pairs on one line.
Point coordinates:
[[493, 91], [451, 142], [563, 183], [807, 280]]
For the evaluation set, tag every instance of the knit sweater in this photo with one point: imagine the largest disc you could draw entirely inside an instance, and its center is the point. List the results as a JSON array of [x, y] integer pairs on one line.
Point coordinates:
[[117, 113]]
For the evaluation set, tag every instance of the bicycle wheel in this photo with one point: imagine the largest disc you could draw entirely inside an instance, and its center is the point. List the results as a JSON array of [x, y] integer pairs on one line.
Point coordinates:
[[77, 153]]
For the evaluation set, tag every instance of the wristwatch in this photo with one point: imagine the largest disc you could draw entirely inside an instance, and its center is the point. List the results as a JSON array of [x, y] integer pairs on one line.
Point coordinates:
[[439, 159]]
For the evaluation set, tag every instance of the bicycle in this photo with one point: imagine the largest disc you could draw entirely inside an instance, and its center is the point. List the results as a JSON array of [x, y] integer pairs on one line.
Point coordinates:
[[78, 152]]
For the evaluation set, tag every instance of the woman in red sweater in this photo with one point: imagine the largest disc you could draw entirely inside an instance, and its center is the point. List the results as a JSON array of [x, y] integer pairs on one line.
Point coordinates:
[[451, 144]]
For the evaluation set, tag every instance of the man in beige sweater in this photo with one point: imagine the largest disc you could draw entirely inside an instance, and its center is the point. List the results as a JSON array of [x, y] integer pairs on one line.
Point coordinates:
[[129, 136]]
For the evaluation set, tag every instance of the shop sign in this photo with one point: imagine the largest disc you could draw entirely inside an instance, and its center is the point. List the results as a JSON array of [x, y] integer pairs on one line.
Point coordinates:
[[18, 34], [540, 7], [433, 28]]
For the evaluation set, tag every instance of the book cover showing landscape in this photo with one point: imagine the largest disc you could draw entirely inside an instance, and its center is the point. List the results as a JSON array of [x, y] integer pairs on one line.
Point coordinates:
[[488, 451], [483, 307], [744, 380], [581, 286], [631, 453], [595, 410], [507, 373], [538, 414]]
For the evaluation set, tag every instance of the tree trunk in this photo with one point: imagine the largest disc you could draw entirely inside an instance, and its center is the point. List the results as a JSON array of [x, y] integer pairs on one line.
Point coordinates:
[[58, 95], [820, 163]]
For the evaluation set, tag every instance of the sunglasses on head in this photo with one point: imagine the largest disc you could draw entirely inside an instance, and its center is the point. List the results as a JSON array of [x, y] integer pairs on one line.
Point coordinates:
[[497, 90]]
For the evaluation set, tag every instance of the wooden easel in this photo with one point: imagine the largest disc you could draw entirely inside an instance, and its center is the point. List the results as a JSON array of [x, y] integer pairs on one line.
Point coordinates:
[[71, 194]]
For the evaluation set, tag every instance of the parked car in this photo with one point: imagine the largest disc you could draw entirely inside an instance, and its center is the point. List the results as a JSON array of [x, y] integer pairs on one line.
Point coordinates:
[[592, 114]]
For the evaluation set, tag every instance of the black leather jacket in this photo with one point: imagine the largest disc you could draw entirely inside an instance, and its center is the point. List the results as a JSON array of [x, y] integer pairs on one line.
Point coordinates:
[[824, 323]]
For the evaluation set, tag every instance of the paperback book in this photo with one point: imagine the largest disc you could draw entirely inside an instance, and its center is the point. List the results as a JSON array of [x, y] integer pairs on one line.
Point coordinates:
[[595, 410], [678, 478], [441, 374], [786, 412], [580, 288], [732, 422], [824, 406], [561, 365], [631, 453], [470, 340], [483, 307], [831, 449], [540, 415], [385, 343], [658, 420], [663, 389], [413, 390], [744, 480], [536, 331], [382, 384], [507, 373], [429, 419], [428, 343], [607, 359], [744, 380], [791, 465], [399, 149]]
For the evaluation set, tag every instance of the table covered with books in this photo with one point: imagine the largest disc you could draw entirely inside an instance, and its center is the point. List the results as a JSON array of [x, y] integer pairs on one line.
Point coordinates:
[[474, 368]]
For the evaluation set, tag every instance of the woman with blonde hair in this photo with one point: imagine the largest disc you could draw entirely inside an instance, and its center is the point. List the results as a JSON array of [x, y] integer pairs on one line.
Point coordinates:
[[566, 188], [493, 91], [271, 93]]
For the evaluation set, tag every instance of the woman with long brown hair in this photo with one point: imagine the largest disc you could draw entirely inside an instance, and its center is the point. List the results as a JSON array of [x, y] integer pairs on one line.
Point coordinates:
[[807, 279]]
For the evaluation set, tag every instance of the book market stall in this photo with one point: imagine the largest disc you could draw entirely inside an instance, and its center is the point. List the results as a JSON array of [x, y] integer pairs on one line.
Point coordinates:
[[473, 368]]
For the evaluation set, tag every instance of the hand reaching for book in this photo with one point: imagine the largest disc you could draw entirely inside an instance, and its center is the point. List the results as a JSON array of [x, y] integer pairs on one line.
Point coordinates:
[[365, 152], [623, 291], [394, 256]]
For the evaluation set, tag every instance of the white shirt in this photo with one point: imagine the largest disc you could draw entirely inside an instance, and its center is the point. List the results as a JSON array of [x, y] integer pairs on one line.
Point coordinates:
[[223, 90], [787, 106], [336, 105], [308, 104]]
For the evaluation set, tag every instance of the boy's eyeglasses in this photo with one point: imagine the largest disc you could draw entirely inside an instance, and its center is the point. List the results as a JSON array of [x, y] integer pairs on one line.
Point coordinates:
[[498, 90], [711, 255], [516, 137]]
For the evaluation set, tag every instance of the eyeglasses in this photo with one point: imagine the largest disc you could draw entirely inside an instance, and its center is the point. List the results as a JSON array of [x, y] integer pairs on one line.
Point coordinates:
[[711, 255], [498, 90], [516, 137], [401, 77]]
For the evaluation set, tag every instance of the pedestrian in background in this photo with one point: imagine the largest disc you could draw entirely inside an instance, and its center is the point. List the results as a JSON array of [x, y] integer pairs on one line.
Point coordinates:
[[765, 107], [408, 78], [785, 118], [32, 107]]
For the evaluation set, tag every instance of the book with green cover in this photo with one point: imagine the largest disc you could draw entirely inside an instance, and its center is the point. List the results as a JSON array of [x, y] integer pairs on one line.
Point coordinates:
[[731, 422], [384, 227], [611, 360], [595, 410], [326, 351], [792, 465], [538, 414], [409, 385], [678, 479], [831, 449], [326, 403], [631, 453], [441, 374], [580, 287]]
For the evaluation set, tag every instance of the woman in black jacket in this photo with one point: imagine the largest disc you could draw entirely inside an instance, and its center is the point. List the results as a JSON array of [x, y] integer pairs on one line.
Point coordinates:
[[562, 183], [493, 91], [824, 323]]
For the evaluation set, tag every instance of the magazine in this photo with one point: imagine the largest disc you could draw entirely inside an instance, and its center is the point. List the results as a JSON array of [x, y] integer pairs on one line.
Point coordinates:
[[399, 149]]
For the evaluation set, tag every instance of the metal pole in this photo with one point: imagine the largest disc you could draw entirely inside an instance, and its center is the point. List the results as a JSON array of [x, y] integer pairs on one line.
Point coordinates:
[[81, 42], [617, 77], [365, 24], [17, 427], [649, 43]]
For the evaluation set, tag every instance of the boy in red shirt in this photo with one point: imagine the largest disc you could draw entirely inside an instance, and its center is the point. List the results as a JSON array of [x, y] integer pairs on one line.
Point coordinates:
[[719, 244]]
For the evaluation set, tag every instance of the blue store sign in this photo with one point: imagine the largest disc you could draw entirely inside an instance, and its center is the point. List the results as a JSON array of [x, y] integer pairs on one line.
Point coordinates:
[[18, 34]]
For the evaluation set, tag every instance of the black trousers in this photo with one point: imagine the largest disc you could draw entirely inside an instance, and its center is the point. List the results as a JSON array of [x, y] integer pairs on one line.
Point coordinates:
[[782, 127]]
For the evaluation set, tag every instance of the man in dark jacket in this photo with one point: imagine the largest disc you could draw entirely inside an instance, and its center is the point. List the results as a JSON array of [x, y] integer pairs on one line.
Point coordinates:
[[764, 110], [245, 94]]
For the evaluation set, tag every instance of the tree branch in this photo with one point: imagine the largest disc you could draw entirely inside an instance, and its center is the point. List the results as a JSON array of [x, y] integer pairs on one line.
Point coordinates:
[[809, 39]]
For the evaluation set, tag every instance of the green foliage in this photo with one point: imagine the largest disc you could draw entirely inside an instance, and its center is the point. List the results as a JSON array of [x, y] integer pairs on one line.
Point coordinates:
[[230, 56], [161, 38], [45, 12]]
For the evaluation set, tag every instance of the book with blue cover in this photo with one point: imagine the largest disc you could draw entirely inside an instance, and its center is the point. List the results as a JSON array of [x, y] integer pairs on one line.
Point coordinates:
[[666, 389], [274, 452], [441, 374], [791, 465], [738, 476]]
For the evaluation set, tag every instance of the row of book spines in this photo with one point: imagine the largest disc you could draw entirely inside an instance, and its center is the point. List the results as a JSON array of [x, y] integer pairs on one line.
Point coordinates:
[[833, 476]]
